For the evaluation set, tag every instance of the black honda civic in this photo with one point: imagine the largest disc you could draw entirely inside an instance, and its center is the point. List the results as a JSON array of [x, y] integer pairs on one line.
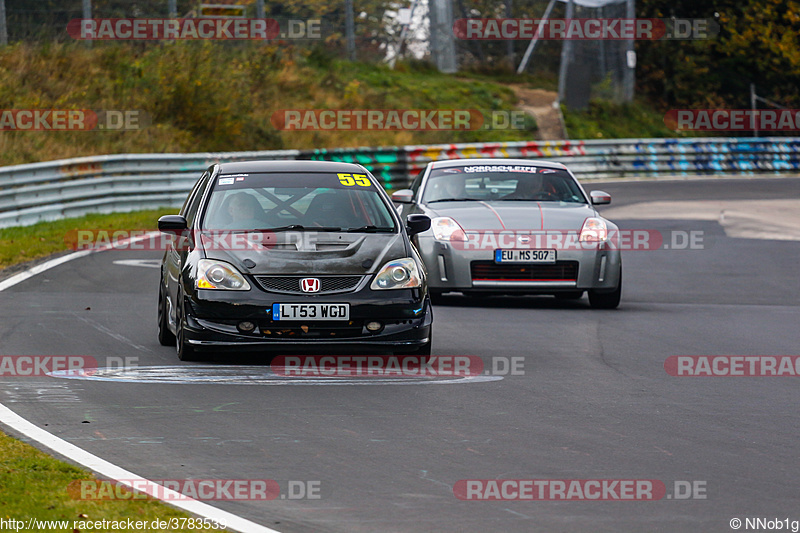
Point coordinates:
[[274, 256]]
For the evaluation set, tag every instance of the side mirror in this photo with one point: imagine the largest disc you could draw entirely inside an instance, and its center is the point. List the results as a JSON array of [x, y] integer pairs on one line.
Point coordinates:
[[417, 224], [600, 197], [403, 196], [172, 224]]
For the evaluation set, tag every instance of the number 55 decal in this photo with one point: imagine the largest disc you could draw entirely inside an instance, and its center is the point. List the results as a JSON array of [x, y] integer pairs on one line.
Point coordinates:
[[349, 180]]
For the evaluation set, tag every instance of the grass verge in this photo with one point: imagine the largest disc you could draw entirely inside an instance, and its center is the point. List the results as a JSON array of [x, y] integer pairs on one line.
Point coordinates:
[[23, 244], [35, 485]]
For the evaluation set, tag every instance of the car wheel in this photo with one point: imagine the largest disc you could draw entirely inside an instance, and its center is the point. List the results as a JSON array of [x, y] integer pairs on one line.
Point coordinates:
[[606, 300], [185, 350], [165, 336], [571, 295]]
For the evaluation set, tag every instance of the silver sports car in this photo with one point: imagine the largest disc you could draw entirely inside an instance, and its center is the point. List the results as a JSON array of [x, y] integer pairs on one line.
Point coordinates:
[[514, 226]]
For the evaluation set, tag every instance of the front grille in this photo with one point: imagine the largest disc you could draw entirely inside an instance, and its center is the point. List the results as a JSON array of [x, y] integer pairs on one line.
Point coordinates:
[[558, 271], [291, 284]]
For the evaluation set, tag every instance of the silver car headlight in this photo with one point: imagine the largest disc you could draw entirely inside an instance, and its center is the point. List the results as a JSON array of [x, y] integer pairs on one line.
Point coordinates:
[[212, 274], [594, 230], [447, 229], [398, 274]]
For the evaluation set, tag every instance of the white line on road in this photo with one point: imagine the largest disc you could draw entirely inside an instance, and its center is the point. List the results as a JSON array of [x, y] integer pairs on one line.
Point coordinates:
[[109, 470]]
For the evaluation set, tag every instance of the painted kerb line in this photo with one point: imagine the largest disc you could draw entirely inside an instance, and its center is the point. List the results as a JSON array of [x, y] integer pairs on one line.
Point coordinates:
[[102, 467]]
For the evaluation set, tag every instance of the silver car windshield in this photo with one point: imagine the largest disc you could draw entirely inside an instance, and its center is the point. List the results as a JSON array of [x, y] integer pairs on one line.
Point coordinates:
[[321, 202], [501, 183]]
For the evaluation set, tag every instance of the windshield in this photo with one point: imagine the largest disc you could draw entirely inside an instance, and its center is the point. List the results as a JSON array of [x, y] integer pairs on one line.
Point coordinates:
[[501, 183], [316, 201]]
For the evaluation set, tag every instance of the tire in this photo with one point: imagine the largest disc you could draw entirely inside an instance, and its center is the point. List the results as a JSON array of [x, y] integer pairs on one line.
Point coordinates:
[[184, 349], [165, 336], [571, 295], [606, 300]]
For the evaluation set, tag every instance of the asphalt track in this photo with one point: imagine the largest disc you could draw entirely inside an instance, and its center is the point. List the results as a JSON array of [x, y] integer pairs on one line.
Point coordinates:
[[594, 401]]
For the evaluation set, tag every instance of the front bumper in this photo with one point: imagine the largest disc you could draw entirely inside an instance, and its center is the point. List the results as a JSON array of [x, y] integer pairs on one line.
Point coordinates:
[[212, 319], [450, 268]]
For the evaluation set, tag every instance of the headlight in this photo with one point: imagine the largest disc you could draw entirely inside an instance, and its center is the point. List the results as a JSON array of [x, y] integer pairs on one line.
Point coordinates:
[[398, 274], [594, 230], [447, 229], [219, 275]]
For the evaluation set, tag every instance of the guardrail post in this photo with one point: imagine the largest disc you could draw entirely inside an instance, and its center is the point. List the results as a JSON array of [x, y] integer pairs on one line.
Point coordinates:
[[350, 30], [87, 14], [3, 27]]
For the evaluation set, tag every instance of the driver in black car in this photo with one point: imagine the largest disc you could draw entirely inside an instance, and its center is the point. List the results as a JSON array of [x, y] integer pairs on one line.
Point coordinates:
[[245, 212]]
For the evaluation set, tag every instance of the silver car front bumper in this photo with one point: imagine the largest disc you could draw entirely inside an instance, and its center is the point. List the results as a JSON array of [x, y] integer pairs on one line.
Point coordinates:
[[450, 268]]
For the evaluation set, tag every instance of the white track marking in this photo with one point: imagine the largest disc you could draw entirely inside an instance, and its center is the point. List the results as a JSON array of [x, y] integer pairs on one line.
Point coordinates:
[[38, 269], [149, 263], [111, 471], [249, 375], [47, 265], [776, 219], [106, 469]]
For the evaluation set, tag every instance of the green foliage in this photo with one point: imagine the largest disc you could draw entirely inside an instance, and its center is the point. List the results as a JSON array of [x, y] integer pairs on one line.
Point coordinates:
[[605, 119], [207, 96], [758, 43]]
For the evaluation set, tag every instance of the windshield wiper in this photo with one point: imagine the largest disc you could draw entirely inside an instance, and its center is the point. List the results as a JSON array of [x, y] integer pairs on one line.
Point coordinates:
[[453, 200], [529, 200], [370, 229], [519, 200], [291, 227]]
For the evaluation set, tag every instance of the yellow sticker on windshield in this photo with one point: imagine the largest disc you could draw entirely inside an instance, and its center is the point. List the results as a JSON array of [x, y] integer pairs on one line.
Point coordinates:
[[349, 180]]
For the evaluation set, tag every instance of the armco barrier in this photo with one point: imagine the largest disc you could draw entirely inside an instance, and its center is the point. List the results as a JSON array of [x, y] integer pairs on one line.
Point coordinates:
[[388, 164], [105, 184], [634, 157], [72, 187]]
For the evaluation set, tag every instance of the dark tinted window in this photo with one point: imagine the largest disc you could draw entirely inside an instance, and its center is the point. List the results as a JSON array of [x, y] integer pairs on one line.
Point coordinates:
[[270, 200], [502, 183]]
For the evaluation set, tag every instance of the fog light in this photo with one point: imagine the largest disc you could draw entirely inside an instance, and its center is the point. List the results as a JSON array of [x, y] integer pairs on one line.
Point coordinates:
[[246, 326], [374, 326]]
